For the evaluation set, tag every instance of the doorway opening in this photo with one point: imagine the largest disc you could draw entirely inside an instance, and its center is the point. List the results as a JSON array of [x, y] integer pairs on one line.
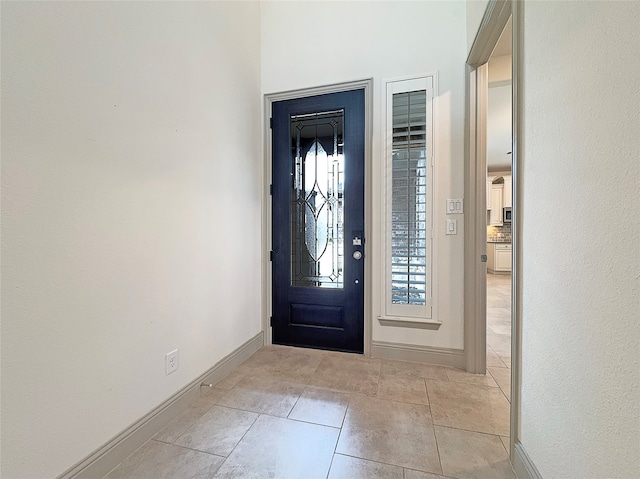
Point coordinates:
[[492, 241], [499, 182]]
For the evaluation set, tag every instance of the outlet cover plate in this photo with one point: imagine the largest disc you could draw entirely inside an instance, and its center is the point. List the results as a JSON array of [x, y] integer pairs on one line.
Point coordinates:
[[171, 362]]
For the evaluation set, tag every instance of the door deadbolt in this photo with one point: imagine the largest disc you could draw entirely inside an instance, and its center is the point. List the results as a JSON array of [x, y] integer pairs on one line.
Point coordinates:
[[357, 254]]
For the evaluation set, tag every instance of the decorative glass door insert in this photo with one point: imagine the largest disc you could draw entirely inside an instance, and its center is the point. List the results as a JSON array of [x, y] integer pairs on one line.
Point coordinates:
[[317, 200]]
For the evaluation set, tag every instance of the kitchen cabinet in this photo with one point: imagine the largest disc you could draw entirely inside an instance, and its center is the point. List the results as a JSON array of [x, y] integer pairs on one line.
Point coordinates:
[[499, 257], [498, 197], [495, 213], [489, 183], [506, 191]]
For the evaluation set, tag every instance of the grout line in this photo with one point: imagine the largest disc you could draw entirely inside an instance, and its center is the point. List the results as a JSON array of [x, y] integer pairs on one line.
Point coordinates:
[[433, 426], [331, 464], [471, 430], [344, 416], [304, 422], [294, 404], [189, 448], [243, 436], [385, 463], [501, 390]]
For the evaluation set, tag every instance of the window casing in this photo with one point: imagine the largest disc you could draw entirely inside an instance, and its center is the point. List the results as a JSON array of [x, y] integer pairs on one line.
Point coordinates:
[[409, 198]]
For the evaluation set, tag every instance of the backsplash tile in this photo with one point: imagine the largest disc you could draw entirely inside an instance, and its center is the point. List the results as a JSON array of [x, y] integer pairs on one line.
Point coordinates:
[[499, 234]]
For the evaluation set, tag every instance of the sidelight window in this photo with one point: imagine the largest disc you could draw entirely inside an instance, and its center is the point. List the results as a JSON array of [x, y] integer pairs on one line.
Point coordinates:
[[409, 198]]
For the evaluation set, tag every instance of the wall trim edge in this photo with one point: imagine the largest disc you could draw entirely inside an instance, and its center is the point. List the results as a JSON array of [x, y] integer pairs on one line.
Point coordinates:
[[523, 465], [419, 354], [104, 459]]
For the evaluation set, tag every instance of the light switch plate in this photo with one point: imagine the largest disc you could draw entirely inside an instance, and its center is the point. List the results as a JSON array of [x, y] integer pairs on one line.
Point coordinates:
[[455, 206], [452, 227]]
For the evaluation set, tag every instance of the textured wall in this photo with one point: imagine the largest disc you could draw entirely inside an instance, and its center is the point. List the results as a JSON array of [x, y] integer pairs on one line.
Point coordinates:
[[131, 192], [386, 40], [580, 341]]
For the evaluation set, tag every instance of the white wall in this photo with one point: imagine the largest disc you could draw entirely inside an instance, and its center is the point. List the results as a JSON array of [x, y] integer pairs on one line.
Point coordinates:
[[307, 44], [499, 127], [131, 192], [580, 404], [499, 68], [475, 12]]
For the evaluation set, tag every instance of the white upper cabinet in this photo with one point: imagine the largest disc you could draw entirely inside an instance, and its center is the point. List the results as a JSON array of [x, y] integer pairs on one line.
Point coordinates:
[[506, 191], [489, 183], [498, 197], [495, 213]]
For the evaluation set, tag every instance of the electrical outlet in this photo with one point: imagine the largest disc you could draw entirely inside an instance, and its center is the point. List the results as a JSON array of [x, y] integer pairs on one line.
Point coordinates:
[[171, 361]]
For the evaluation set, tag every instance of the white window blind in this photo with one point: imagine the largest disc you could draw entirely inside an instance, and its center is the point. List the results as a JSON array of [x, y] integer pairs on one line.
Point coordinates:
[[409, 198]]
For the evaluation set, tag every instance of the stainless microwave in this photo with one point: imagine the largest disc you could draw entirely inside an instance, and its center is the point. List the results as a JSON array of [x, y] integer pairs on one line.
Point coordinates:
[[506, 214]]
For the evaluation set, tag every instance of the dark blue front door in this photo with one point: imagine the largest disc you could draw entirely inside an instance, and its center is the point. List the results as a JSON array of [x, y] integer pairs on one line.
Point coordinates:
[[318, 221]]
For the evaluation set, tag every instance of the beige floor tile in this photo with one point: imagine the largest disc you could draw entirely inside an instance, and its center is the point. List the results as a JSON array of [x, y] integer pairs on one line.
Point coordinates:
[[320, 406], [237, 375], [506, 359], [281, 448], [500, 343], [390, 432], [502, 376], [218, 431], [413, 370], [412, 474], [493, 360], [267, 355], [295, 370], [500, 327], [506, 442], [157, 459], [180, 424], [458, 376], [466, 454], [290, 366], [345, 467], [348, 373], [470, 407], [264, 396], [403, 389]]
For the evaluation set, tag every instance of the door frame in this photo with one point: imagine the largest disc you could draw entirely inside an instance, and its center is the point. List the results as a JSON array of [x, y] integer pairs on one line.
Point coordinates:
[[266, 240], [493, 23]]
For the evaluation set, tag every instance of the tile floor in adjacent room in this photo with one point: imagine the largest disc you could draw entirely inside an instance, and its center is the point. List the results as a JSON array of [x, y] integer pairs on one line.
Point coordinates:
[[305, 414]]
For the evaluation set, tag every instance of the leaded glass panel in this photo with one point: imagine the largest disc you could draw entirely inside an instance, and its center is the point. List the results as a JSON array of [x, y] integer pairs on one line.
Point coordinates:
[[317, 200]]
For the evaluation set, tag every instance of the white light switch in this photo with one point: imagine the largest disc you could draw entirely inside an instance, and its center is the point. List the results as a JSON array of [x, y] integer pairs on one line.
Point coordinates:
[[455, 206], [452, 227]]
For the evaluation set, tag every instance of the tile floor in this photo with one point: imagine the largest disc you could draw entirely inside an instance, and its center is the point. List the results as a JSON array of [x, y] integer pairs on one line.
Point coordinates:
[[305, 414]]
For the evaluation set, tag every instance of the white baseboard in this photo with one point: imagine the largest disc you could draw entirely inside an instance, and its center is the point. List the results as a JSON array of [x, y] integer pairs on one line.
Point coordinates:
[[106, 458], [419, 354], [523, 465]]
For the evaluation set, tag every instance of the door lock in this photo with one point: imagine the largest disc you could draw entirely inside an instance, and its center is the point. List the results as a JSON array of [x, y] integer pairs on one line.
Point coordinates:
[[357, 255]]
